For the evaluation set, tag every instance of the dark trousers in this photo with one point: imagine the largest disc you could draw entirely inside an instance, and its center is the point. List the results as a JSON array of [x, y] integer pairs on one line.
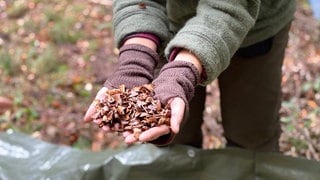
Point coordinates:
[[250, 96]]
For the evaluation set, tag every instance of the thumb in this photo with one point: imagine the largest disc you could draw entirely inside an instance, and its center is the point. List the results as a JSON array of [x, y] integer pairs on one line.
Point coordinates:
[[91, 109], [177, 112]]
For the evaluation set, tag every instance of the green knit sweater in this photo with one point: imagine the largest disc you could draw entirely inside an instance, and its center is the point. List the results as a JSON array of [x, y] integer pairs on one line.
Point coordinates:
[[211, 29]]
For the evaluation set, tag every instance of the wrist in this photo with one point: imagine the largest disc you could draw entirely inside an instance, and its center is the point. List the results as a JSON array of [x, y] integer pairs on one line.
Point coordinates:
[[147, 39], [142, 41], [180, 54], [185, 55]]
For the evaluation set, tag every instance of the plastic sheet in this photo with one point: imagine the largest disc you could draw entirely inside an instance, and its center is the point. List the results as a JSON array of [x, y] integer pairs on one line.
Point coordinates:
[[23, 157]]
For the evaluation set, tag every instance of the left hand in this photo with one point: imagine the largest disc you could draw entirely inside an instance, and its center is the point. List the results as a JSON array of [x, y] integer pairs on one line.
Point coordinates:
[[177, 112]]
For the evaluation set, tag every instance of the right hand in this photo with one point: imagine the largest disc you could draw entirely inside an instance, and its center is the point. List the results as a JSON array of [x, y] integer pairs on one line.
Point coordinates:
[[135, 67]]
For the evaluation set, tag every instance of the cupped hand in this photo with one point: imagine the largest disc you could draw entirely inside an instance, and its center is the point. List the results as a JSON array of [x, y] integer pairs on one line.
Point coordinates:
[[135, 67], [178, 107]]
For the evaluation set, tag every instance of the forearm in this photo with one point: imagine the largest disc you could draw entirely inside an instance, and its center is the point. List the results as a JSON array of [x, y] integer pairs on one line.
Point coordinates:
[[182, 55], [134, 16], [216, 32]]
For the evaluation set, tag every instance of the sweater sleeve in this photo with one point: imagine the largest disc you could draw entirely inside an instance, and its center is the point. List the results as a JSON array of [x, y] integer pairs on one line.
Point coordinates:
[[136, 16], [216, 32]]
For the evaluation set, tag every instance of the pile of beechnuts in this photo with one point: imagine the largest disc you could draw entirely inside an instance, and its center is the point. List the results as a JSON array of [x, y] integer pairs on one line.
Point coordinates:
[[133, 110]]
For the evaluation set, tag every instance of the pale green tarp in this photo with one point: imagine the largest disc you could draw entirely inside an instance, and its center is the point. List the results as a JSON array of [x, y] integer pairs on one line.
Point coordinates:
[[26, 158]]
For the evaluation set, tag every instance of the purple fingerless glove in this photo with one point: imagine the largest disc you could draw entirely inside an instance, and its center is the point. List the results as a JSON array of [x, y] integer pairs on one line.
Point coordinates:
[[176, 79], [135, 67]]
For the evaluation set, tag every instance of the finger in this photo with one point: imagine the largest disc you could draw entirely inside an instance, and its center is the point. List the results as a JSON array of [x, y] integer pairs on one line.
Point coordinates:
[[106, 128], [130, 139], [89, 113], [116, 127], [126, 133], [91, 109], [97, 121], [154, 133], [101, 93], [177, 112]]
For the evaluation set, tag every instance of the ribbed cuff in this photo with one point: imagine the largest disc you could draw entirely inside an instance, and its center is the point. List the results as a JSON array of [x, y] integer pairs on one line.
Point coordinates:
[[175, 51], [146, 35]]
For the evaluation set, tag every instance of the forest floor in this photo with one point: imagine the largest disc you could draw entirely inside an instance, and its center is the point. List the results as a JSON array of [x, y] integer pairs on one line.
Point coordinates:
[[55, 55]]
